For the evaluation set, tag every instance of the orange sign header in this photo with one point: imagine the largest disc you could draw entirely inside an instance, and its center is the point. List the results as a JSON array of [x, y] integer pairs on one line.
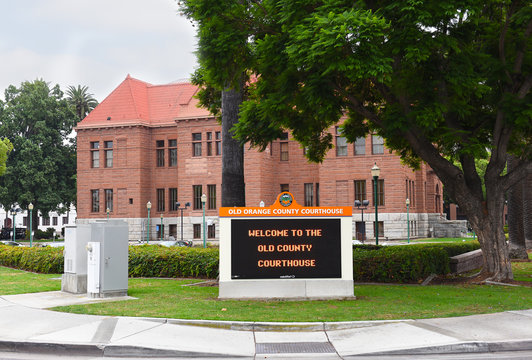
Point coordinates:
[[286, 205]]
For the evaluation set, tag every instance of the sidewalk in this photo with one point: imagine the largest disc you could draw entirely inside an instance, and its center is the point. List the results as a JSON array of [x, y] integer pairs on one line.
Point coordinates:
[[26, 327]]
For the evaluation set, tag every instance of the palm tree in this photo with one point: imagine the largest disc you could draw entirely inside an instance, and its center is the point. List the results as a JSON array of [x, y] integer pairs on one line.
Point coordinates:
[[81, 99]]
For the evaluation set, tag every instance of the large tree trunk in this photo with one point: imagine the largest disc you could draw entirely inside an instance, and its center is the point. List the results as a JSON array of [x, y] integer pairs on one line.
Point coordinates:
[[516, 216], [527, 210], [233, 191], [488, 222]]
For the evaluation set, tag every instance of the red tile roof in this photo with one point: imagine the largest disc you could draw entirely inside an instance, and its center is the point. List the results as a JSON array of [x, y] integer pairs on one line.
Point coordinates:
[[135, 102]]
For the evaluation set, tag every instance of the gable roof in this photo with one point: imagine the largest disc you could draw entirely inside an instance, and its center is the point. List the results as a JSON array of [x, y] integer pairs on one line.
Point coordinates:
[[135, 102]]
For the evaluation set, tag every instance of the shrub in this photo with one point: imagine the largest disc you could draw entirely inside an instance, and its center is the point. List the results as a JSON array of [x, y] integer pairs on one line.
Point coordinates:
[[42, 260], [48, 234], [408, 263], [158, 261]]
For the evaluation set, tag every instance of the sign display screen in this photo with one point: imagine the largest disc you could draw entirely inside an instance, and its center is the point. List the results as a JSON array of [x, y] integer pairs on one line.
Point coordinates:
[[285, 248]]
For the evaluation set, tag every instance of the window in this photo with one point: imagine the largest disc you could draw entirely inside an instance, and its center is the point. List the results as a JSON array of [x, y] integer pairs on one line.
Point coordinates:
[[95, 154], [109, 199], [160, 153], [172, 230], [65, 220], [172, 153], [95, 196], [197, 231], [209, 144], [360, 190], [341, 143], [108, 151], [196, 144], [196, 190], [160, 231], [211, 231], [284, 151], [317, 194], [309, 194], [380, 192], [218, 143], [25, 221], [46, 221], [160, 200], [377, 143], [360, 146], [381, 228], [54, 221], [285, 187], [211, 190], [172, 198]]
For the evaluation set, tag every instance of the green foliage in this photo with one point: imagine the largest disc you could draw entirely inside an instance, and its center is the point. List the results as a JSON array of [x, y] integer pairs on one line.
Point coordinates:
[[403, 264], [159, 261], [82, 101], [38, 122], [45, 260], [48, 234]]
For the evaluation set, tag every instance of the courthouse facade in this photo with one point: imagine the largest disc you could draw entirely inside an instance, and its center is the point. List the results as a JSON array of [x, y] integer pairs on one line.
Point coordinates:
[[151, 143]]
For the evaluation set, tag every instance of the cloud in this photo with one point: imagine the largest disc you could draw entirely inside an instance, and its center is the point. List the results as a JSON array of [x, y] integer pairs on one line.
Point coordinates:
[[94, 43]]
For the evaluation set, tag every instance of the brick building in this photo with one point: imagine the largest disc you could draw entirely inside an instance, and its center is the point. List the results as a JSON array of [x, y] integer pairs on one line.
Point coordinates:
[[151, 143]]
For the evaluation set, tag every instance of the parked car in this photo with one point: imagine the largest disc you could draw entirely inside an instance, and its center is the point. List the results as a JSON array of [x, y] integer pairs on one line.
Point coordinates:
[[10, 243], [170, 243]]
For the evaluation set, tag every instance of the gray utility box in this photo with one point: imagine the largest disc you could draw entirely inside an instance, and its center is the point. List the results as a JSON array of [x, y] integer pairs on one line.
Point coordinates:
[[107, 257], [75, 277]]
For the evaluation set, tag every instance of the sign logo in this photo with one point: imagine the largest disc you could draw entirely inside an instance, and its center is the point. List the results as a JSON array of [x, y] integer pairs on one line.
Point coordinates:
[[286, 199]]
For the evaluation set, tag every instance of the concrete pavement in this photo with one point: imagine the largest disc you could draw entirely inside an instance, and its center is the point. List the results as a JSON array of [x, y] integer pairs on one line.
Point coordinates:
[[25, 326]]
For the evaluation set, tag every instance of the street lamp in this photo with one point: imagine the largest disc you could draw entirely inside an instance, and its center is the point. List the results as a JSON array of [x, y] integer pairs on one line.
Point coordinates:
[[148, 206], [408, 218], [375, 172], [203, 201], [30, 208], [161, 227], [14, 214], [362, 206], [107, 211], [182, 209]]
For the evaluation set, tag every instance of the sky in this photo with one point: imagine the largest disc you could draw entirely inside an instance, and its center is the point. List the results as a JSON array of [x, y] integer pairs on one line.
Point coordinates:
[[94, 43]]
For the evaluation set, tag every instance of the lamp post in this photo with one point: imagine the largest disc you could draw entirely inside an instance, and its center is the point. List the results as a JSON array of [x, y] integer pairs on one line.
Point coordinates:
[[408, 219], [148, 206], [30, 208], [203, 201], [362, 206], [182, 209], [14, 213], [375, 172], [161, 227]]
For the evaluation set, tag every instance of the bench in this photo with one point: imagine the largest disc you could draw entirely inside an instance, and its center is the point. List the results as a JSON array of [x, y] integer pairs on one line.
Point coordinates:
[[466, 262]]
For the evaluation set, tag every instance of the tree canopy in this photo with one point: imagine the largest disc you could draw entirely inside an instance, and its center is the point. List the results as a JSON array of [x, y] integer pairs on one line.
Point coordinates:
[[439, 80], [80, 98], [41, 169]]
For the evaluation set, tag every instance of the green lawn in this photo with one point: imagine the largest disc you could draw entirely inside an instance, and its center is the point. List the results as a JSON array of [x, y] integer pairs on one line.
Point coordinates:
[[168, 298], [19, 282], [441, 240]]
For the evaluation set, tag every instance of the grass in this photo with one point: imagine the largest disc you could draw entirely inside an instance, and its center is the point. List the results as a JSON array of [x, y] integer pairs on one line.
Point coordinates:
[[168, 298], [19, 282], [523, 270], [441, 240]]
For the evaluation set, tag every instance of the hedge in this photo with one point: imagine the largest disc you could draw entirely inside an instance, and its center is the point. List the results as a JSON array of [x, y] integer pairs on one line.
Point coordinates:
[[370, 263], [45, 260], [404, 264], [158, 261]]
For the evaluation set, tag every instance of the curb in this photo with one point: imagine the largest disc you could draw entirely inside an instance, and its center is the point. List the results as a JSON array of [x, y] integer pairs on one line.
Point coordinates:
[[100, 350], [461, 348]]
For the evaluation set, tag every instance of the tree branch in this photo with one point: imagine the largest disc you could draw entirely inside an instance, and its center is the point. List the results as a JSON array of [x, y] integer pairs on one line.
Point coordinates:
[[516, 174], [521, 52]]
